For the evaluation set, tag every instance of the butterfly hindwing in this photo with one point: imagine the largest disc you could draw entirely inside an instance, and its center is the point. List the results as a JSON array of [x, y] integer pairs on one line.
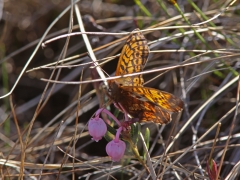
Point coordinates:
[[133, 58]]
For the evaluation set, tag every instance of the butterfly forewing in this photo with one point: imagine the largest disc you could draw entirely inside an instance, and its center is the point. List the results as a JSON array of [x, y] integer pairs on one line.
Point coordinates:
[[165, 100], [143, 110], [157, 116]]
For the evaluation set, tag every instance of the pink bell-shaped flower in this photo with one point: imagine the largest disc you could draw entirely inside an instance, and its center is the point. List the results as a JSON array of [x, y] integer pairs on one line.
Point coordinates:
[[97, 128], [116, 148]]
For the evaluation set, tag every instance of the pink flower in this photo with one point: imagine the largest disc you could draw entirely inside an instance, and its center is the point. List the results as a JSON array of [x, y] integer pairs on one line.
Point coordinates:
[[116, 148], [97, 128]]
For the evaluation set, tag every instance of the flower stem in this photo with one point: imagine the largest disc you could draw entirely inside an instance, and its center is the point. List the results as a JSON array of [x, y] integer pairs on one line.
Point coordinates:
[[108, 113], [137, 155]]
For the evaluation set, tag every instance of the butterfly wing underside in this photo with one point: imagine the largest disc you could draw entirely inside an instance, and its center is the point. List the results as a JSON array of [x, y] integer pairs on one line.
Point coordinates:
[[133, 58]]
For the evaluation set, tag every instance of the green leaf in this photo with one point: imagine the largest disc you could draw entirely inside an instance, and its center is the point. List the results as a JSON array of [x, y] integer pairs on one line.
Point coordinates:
[[110, 134], [135, 131], [143, 8], [147, 140]]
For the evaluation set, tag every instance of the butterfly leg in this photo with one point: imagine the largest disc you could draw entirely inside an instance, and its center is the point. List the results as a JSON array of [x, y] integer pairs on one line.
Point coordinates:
[[125, 112], [121, 108], [116, 106]]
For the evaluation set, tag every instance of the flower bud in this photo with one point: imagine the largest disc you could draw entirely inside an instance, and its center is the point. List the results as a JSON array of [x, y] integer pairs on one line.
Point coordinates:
[[212, 169]]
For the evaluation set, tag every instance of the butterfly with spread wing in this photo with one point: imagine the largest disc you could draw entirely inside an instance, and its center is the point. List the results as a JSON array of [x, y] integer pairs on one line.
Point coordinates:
[[128, 93]]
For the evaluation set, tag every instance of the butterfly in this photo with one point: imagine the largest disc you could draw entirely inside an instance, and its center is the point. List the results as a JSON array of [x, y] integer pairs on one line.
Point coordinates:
[[128, 93]]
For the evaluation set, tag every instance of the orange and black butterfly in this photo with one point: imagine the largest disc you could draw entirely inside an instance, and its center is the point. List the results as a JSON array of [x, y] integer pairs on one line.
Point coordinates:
[[129, 94]]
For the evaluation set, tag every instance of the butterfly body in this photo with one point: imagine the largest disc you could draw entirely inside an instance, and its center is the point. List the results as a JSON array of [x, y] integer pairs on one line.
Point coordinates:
[[129, 94]]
